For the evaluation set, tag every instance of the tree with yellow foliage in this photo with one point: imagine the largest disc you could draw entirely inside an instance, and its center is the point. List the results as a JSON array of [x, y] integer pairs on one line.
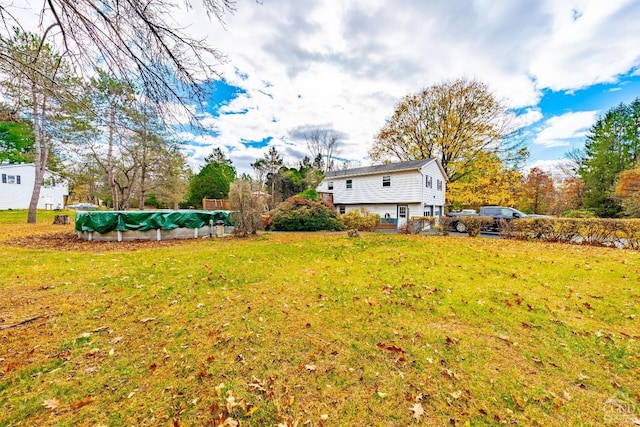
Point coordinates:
[[457, 122], [486, 181]]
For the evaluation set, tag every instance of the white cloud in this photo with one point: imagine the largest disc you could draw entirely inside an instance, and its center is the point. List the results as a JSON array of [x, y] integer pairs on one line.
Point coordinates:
[[345, 64], [529, 117], [351, 61], [559, 130], [589, 42]]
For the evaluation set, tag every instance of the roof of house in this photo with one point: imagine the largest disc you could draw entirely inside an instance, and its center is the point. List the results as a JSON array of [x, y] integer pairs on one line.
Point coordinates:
[[31, 165], [389, 167], [14, 165]]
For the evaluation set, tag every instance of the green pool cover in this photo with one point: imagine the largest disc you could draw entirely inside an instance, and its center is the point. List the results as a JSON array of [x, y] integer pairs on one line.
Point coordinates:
[[106, 221]]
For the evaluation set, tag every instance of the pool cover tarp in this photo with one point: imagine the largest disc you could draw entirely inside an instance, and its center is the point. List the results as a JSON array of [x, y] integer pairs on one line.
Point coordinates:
[[106, 221]]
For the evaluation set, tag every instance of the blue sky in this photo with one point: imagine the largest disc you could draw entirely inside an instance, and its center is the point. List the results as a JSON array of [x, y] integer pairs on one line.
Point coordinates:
[[342, 65], [295, 66], [588, 102]]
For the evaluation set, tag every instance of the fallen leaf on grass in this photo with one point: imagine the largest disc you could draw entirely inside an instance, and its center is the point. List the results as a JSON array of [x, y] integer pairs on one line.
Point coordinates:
[[310, 367], [520, 402], [449, 373], [418, 411], [51, 403], [506, 339], [231, 401], [451, 341], [390, 347], [456, 394], [82, 402], [93, 352], [257, 384]]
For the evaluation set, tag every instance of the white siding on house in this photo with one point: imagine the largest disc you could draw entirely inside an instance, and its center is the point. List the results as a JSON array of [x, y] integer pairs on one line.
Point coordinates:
[[407, 188], [432, 197], [18, 196], [404, 188]]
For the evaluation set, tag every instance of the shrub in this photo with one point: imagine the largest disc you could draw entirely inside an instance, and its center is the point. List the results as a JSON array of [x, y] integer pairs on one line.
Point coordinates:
[[417, 224], [623, 233], [360, 219], [299, 214], [630, 233], [247, 207], [598, 232], [475, 224], [445, 224], [579, 213], [309, 194]]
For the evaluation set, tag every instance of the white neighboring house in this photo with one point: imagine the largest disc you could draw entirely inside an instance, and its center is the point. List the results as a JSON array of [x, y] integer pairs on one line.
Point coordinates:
[[395, 191], [16, 187]]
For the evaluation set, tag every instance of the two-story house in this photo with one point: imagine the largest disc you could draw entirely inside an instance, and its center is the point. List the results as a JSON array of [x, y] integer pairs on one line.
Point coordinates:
[[395, 191], [16, 187]]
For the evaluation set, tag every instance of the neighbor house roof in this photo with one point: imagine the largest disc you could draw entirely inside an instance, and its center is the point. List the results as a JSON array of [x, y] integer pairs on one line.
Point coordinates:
[[389, 167], [31, 165]]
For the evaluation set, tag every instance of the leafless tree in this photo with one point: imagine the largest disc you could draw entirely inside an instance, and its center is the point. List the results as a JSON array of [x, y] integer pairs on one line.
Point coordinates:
[[572, 161], [36, 80], [135, 41], [323, 145]]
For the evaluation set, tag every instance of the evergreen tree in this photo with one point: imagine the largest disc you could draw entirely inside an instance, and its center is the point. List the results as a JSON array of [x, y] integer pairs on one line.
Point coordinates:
[[212, 182], [612, 146]]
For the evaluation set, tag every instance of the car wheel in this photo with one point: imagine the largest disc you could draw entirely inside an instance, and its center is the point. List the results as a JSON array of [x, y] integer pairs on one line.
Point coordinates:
[[460, 227]]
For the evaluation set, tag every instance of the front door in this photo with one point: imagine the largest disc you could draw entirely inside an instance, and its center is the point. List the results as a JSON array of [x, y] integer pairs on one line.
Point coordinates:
[[403, 214]]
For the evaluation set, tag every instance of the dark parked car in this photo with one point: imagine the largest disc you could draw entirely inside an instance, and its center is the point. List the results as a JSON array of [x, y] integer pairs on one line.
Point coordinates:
[[496, 212]]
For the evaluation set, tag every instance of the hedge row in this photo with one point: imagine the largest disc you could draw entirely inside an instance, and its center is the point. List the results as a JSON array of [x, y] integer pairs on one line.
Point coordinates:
[[619, 233]]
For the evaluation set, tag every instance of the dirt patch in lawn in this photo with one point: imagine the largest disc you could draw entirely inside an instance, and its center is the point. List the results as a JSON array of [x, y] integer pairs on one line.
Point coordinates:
[[69, 241]]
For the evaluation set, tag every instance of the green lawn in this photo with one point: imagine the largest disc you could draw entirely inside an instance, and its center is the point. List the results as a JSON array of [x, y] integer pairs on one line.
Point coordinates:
[[319, 329]]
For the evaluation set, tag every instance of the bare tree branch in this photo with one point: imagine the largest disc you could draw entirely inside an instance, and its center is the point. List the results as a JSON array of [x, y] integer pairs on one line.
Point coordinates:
[[135, 41]]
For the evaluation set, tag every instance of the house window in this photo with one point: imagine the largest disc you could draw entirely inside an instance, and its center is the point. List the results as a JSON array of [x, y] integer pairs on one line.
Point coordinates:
[[342, 210], [349, 183], [330, 185], [386, 181], [10, 179], [428, 181], [439, 183]]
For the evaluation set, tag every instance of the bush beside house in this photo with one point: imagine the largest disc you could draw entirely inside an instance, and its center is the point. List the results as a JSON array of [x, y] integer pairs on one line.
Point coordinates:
[[300, 214]]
